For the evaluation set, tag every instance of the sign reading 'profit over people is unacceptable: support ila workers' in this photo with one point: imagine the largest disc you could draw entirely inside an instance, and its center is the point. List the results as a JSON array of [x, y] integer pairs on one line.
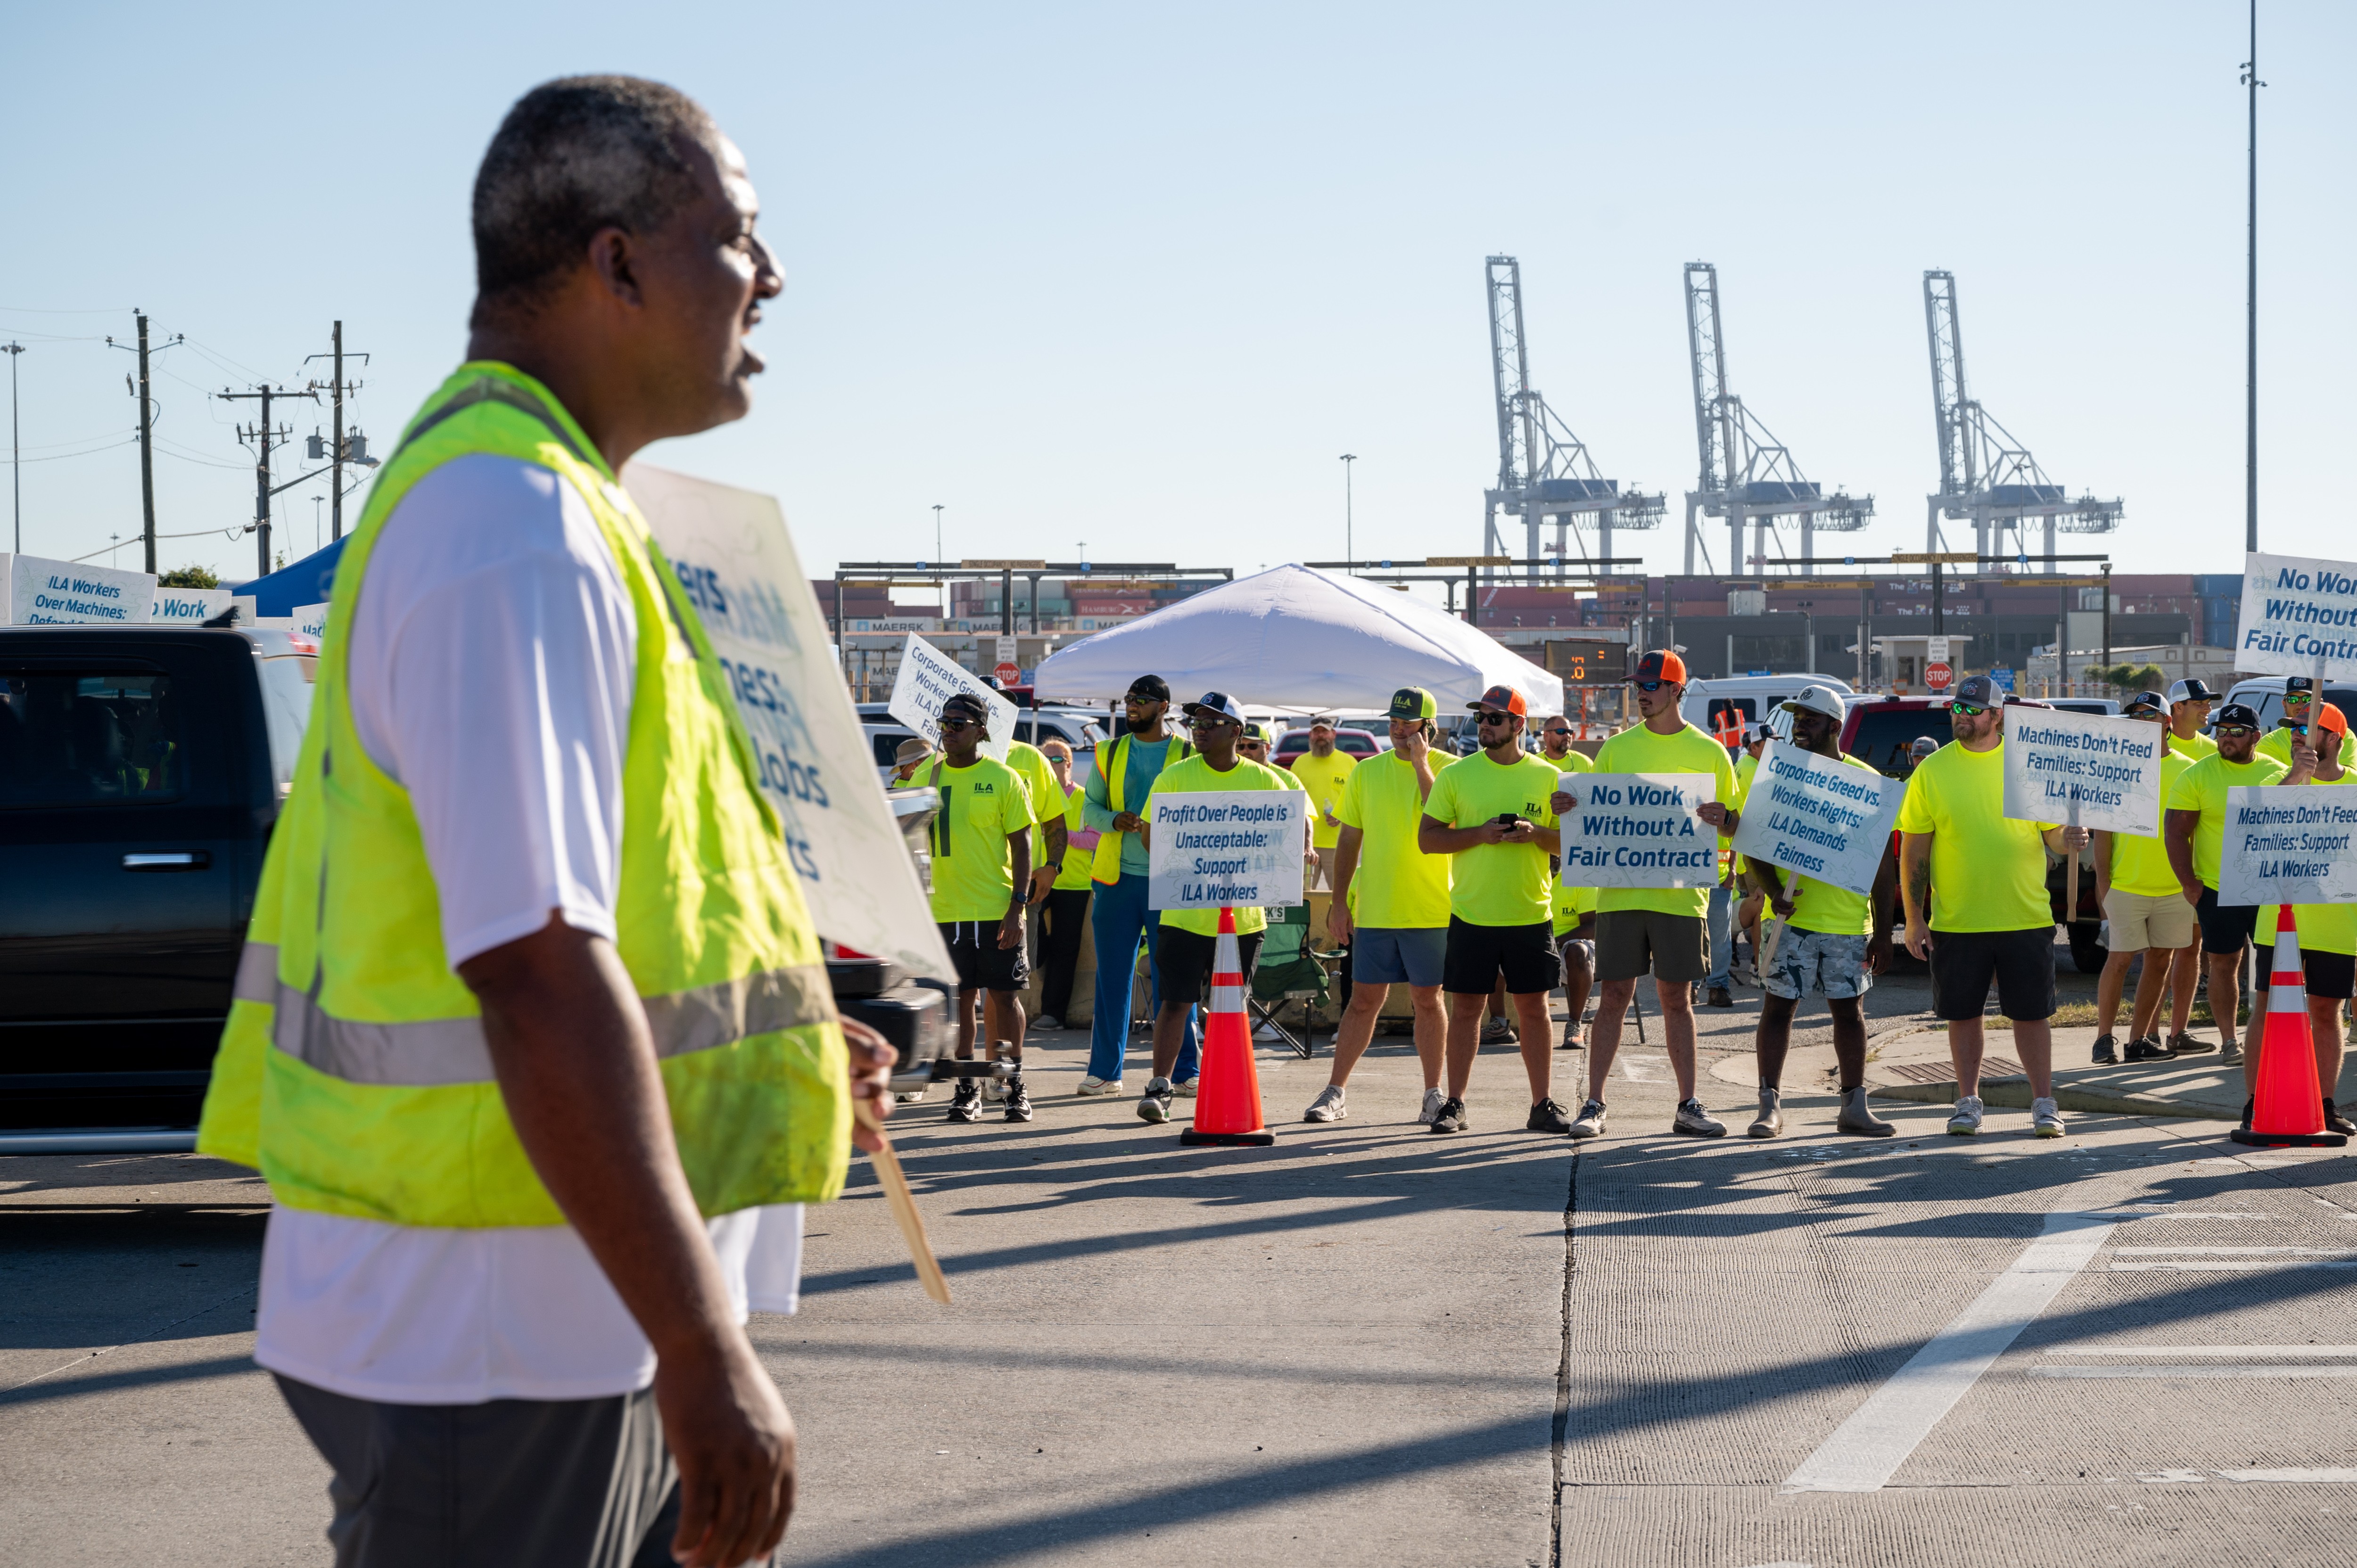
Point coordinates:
[[1212, 850], [1819, 817], [2087, 770], [2295, 611], [1639, 830], [2289, 844]]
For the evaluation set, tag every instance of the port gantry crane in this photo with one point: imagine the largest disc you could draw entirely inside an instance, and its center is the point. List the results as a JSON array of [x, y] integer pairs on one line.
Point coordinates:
[[1747, 475], [1985, 474], [1544, 470]]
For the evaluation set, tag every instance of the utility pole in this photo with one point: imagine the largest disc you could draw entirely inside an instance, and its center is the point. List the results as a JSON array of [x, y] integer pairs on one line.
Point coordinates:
[[15, 459], [263, 435], [339, 451], [1349, 527], [146, 434], [937, 536], [2251, 366]]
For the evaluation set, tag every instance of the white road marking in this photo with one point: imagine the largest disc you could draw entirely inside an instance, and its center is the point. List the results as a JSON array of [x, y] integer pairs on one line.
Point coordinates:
[[2217, 1264], [2295, 1477], [2316, 1350], [2206, 1370], [1867, 1450], [2238, 1251]]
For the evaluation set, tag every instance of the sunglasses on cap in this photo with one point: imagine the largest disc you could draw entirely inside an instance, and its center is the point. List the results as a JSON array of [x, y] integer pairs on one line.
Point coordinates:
[[1970, 710]]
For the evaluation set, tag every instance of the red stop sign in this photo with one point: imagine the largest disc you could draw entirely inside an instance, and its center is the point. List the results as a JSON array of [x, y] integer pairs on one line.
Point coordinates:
[[1008, 674], [1937, 675]]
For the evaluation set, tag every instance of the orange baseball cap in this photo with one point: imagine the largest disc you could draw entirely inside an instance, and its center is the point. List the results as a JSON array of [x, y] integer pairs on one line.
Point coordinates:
[[2333, 719], [1662, 665], [1504, 697]]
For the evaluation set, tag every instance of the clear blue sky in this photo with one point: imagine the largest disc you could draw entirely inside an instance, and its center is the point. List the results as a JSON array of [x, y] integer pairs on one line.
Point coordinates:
[[1138, 275]]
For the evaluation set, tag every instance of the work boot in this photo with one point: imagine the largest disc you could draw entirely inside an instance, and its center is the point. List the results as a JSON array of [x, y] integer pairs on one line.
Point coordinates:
[[2148, 1049], [1771, 1120], [1856, 1118], [2335, 1121], [1719, 997], [1018, 1099], [2107, 1052]]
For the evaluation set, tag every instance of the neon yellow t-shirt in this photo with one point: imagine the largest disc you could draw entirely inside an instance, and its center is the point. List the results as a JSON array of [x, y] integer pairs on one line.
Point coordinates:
[[2193, 748], [1988, 873], [982, 806], [1078, 861], [2141, 864], [1570, 904], [1745, 767], [1395, 885], [1688, 750], [1324, 777], [1496, 883], [2202, 788], [1039, 775], [2276, 743], [1824, 906], [1196, 775], [2323, 928]]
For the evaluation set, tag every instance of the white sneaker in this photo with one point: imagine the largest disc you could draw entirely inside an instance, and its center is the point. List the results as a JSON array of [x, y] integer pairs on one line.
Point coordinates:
[[1327, 1107], [1099, 1086], [908, 1095], [1185, 1087], [1966, 1122], [2045, 1119], [1434, 1098]]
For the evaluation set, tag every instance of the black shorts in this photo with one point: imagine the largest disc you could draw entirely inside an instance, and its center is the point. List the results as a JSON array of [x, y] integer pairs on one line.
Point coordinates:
[[2331, 974], [1185, 959], [982, 964], [1478, 955], [2021, 963], [2224, 927]]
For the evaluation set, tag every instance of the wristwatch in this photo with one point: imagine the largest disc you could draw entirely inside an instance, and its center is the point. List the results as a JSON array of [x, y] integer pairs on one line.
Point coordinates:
[[1054, 865]]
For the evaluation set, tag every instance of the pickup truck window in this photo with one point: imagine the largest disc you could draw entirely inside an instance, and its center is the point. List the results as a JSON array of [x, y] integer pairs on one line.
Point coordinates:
[[90, 739]]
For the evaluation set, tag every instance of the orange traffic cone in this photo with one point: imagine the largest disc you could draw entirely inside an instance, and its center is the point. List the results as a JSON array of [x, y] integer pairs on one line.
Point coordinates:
[[1227, 1095], [2288, 1107]]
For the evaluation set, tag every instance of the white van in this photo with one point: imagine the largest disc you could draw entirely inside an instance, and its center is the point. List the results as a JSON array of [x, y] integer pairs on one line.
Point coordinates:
[[1754, 698]]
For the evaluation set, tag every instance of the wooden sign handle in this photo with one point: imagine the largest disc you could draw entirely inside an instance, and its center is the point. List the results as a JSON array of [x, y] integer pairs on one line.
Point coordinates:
[[903, 1203]]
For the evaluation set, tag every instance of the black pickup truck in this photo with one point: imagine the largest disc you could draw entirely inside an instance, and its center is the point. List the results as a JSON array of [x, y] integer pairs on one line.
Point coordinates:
[[141, 769]]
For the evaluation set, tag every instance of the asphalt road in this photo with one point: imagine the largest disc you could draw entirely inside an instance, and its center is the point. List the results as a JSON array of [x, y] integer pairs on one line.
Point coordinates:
[[1368, 1345]]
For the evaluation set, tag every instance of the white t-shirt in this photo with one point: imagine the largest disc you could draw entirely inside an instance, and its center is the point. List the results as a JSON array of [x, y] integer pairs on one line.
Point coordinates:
[[493, 660]]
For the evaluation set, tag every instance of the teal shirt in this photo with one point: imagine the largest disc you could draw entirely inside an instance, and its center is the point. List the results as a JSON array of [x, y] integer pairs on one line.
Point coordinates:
[[1139, 770]]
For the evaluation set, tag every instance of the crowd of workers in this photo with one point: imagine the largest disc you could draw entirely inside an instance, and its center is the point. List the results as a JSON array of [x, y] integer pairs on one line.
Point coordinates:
[[1444, 875]]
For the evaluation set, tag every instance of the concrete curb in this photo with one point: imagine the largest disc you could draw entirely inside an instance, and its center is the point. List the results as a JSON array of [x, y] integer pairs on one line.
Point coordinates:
[[2013, 1094]]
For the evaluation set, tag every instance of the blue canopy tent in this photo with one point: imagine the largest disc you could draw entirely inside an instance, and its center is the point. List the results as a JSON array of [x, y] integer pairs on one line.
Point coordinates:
[[289, 588]]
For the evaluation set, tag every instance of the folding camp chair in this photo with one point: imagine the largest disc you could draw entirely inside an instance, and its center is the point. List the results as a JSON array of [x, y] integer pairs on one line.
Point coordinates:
[[1289, 971]]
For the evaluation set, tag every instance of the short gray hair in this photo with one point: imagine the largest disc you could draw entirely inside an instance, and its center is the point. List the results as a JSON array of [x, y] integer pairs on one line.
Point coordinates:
[[576, 155]]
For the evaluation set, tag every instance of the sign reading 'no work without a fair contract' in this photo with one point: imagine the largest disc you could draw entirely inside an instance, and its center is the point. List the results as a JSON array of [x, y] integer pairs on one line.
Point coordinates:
[[2289, 844], [1819, 817], [2088, 771], [2297, 611], [1211, 850], [1639, 830]]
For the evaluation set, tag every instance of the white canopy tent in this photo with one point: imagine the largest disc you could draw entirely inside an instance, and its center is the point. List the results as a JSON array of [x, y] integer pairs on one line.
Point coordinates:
[[1296, 637]]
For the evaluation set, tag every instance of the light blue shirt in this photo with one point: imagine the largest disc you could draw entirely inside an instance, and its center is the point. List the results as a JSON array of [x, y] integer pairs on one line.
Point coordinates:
[[1141, 766]]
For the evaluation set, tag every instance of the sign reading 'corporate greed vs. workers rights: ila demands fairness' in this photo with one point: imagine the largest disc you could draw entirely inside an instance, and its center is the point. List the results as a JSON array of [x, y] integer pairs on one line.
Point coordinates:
[[1639, 830], [1818, 816]]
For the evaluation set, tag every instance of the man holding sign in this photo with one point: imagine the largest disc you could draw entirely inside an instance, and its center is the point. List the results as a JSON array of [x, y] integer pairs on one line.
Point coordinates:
[[2197, 836], [982, 872], [2139, 896], [2328, 932], [2300, 697], [1974, 880]]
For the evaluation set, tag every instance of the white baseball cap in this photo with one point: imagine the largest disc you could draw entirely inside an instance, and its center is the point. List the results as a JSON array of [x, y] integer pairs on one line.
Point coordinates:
[[1817, 700], [2191, 692]]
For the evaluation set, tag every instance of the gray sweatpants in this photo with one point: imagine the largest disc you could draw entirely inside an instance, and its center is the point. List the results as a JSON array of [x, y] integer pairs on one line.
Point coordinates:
[[509, 1484]]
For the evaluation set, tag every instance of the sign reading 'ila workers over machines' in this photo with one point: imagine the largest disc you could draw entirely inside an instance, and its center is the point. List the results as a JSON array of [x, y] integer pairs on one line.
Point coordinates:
[[1818, 816], [2297, 611], [2289, 844], [2087, 770], [1210, 851], [1639, 830]]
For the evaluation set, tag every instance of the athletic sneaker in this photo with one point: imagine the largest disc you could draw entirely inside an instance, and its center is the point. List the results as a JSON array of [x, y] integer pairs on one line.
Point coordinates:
[[1695, 1123], [2229, 1053], [2182, 1043], [1967, 1121], [1154, 1105], [1450, 1117], [1589, 1122], [1434, 1099], [965, 1100], [1719, 997], [1018, 1099], [1100, 1086], [2336, 1121], [1185, 1087], [1050, 1022], [1571, 1041], [1327, 1107], [2107, 1051], [908, 1096], [2045, 1120], [1547, 1116], [2148, 1049], [1498, 1032]]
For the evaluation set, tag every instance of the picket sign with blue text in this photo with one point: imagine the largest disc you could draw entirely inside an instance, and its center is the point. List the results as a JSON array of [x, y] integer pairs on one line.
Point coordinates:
[[1639, 830], [1818, 816], [927, 678], [2298, 612], [1224, 848], [310, 621], [66, 592], [2289, 844], [186, 606], [736, 562], [2088, 770]]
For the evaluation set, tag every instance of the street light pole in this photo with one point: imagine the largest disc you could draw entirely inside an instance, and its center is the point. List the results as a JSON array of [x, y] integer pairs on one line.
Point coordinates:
[[15, 461], [937, 536], [1350, 523], [2251, 350]]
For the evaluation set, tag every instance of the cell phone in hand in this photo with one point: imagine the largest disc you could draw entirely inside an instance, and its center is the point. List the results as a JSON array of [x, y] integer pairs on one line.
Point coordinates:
[[1507, 820]]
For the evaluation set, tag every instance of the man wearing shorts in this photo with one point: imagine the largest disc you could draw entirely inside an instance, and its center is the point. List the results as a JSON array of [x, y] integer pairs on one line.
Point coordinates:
[[1832, 944], [982, 871], [1974, 886], [1391, 903], [1490, 811], [2328, 932], [1660, 928], [1574, 908], [2149, 914], [2195, 826], [1187, 939]]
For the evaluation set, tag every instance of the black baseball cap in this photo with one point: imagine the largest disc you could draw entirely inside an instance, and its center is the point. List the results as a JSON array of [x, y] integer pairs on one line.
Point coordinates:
[[1980, 691], [1412, 703], [2299, 686], [1150, 688], [2146, 703], [966, 706], [2241, 713]]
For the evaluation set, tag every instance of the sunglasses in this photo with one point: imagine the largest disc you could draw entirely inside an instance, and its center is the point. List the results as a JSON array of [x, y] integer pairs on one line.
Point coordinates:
[[1558, 729], [1970, 710], [1208, 721], [1494, 718], [2234, 729], [950, 726], [1648, 686]]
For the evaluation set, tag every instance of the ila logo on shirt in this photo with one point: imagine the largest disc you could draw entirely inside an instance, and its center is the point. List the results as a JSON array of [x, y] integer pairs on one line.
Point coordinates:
[[980, 788]]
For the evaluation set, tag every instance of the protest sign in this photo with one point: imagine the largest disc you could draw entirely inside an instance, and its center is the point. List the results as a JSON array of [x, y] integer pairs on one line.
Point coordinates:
[[1211, 850], [1639, 830], [186, 606], [1818, 816], [927, 678], [733, 558], [67, 593], [2289, 844], [2297, 613], [310, 622], [2088, 770]]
